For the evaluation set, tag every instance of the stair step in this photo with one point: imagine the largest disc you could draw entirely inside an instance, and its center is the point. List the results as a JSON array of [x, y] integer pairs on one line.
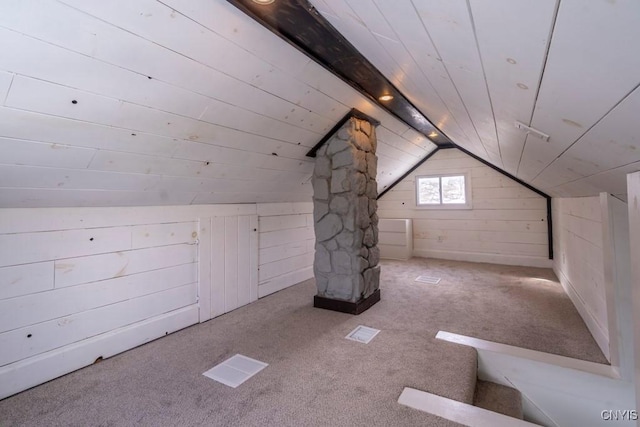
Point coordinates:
[[498, 398], [460, 374]]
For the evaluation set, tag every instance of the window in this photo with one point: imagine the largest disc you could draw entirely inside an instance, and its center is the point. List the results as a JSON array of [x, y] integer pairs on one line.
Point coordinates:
[[443, 191]]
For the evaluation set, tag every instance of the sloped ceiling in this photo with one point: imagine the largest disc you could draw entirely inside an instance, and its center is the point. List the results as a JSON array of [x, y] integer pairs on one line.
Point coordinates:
[[191, 101], [176, 102], [569, 68]]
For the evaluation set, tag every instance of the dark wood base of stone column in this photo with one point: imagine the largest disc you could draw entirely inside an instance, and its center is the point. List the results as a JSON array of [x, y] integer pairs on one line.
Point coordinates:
[[347, 306]]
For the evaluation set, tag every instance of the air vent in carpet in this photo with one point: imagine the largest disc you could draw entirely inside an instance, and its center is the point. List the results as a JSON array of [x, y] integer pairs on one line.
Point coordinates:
[[362, 334], [428, 279], [235, 370]]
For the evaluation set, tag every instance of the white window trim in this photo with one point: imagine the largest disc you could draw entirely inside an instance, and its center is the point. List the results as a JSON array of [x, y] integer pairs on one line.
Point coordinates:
[[467, 193]]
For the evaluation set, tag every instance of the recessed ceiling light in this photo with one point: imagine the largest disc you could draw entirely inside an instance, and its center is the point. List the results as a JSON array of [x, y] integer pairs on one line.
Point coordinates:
[[511, 60], [433, 134], [263, 1], [386, 98], [522, 86]]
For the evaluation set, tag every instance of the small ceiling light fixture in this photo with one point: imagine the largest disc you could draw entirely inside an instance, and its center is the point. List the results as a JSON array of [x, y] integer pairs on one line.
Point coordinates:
[[433, 134], [386, 98], [511, 60], [522, 86], [263, 2]]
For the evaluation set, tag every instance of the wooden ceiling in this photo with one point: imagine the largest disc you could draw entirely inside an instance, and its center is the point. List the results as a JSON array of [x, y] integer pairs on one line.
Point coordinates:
[[569, 68], [146, 102], [154, 103]]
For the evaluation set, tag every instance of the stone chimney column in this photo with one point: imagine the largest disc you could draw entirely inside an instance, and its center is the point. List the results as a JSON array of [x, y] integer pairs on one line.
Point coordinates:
[[346, 224]]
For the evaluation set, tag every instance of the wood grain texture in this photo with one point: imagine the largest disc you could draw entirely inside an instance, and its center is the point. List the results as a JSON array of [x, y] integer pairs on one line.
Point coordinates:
[[286, 245], [506, 225]]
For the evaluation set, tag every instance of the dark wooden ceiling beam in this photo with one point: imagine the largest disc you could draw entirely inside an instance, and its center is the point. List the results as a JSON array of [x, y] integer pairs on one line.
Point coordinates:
[[301, 25]]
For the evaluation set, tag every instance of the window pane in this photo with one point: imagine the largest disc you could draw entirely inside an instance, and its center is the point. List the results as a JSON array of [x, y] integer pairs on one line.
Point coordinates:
[[428, 191], [453, 189]]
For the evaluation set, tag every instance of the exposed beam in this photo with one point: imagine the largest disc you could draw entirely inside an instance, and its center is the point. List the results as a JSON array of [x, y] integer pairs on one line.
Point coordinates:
[[301, 25]]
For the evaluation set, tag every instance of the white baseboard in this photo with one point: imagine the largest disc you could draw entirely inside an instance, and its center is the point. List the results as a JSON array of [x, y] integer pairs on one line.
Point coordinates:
[[525, 261], [600, 335], [44, 367], [281, 282]]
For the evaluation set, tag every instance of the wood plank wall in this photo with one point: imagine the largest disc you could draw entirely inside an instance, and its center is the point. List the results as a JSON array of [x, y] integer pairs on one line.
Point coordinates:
[[77, 284], [579, 261], [102, 105], [507, 224], [286, 245]]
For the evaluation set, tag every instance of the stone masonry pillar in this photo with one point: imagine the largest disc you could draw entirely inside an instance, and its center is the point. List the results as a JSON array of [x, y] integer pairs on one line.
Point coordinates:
[[346, 224]]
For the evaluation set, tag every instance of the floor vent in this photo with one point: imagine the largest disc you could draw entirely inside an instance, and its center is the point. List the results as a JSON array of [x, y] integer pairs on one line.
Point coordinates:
[[235, 370], [363, 334], [428, 279]]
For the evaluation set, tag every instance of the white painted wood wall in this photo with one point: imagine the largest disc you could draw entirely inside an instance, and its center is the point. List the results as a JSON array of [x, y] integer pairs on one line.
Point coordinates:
[[102, 105], [234, 262], [579, 262], [633, 194], [77, 284], [286, 245], [507, 225], [395, 238]]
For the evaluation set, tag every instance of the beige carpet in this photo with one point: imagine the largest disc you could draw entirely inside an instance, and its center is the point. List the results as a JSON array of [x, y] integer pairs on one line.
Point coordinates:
[[315, 376]]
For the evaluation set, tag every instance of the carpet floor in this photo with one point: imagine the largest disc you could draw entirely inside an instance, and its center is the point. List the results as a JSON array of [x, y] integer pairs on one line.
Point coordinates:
[[315, 376]]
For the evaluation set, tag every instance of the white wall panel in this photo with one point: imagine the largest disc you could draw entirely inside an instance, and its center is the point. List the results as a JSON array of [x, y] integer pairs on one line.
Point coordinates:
[[58, 130], [634, 251], [20, 152], [5, 84], [38, 197], [197, 43], [72, 279], [105, 42], [146, 236], [508, 223], [14, 176], [204, 269], [234, 281], [32, 220], [217, 266], [47, 366], [75, 271], [26, 279], [73, 328], [231, 252], [578, 261], [286, 245], [35, 308], [34, 247]]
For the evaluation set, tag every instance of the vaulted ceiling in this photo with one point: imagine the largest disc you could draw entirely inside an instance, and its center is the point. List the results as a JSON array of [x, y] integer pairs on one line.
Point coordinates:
[[569, 68], [191, 101]]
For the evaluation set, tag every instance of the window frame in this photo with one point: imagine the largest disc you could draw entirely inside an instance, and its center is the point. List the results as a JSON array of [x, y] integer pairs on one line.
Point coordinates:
[[444, 206]]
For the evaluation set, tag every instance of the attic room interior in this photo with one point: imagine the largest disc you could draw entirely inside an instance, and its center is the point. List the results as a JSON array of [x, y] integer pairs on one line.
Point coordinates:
[[319, 212]]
